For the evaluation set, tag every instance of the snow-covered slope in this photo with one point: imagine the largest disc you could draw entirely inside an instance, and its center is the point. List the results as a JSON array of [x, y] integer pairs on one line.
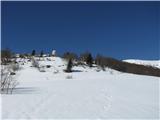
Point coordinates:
[[87, 93], [153, 63]]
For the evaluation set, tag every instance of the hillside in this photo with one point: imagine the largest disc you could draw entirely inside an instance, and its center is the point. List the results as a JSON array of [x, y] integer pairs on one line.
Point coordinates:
[[153, 63], [84, 93]]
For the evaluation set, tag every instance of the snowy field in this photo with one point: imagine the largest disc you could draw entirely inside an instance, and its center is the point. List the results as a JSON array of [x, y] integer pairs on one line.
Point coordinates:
[[84, 93]]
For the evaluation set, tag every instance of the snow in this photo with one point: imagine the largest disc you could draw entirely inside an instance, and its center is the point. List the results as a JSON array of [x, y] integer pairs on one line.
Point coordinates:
[[153, 63], [88, 94]]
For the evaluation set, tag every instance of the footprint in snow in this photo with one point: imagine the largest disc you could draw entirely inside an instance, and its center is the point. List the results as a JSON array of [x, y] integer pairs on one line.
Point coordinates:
[[107, 99]]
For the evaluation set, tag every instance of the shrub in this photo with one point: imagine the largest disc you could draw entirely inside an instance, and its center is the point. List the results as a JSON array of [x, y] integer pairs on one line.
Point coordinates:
[[35, 63], [48, 66], [15, 66], [69, 77], [41, 55], [42, 69], [6, 56], [70, 55], [13, 73], [83, 56], [87, 57], [89, 60], [8, 83], [22, 56], [79, 63]]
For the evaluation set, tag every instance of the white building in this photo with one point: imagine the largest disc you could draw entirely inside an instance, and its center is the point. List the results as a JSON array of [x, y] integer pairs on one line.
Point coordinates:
[[53, 53]]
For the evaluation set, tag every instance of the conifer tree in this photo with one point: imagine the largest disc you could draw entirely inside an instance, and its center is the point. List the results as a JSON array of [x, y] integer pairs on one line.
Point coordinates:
[[33, 53], [69, 66], [89, 60], [41, 55]]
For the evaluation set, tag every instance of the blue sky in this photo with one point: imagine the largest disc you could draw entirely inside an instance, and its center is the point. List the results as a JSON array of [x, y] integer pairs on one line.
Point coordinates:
[[117, 29]]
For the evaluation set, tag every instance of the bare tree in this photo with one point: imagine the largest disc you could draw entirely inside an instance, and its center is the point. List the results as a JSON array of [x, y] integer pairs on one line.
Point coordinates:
[[6, 55], [8, 83], [70, 55]]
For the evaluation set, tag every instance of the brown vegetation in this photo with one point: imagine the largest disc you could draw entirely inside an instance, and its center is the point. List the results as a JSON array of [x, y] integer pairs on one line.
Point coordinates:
[[126, 67]]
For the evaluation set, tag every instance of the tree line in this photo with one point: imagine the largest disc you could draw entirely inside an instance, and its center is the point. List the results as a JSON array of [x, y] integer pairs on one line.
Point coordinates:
[[86, 58]]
